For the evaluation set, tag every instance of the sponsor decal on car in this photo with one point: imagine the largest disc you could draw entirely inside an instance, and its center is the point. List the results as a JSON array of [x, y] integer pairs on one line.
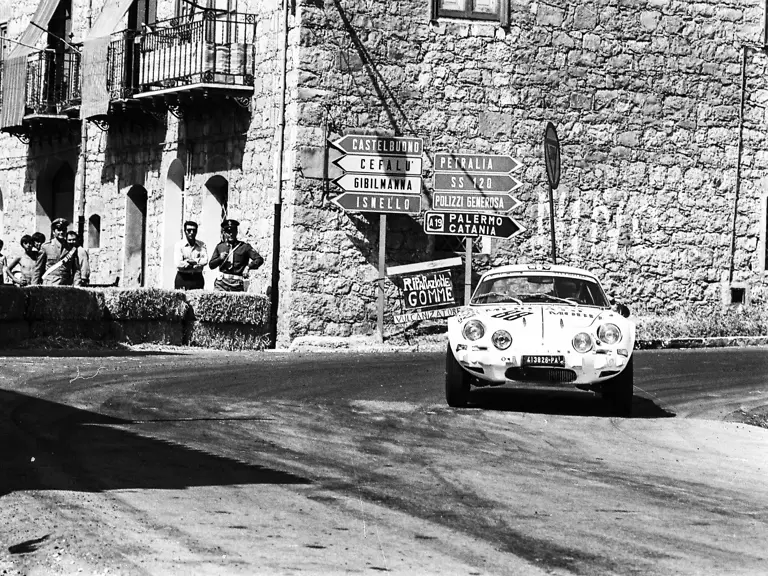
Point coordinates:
[[511, 315]]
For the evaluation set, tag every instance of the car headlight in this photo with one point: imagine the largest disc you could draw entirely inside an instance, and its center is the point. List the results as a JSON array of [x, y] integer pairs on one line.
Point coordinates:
[[501, 339], [609, 333], [473, 330], [582, 342]]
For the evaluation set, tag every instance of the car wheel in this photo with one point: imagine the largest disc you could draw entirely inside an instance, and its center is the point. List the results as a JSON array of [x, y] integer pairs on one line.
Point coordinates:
[[618, 390], [456, 382]]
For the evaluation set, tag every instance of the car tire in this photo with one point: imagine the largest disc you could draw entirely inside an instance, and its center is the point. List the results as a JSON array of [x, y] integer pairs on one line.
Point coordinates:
[[618, 391], [457, 382]]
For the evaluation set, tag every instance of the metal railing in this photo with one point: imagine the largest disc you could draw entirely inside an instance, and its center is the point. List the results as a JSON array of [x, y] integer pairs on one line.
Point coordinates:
[[123, 65], [210, 47], [53, 81]]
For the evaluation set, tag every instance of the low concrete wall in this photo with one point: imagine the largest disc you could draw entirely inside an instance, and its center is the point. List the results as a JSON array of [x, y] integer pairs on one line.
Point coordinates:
[[220, 320]]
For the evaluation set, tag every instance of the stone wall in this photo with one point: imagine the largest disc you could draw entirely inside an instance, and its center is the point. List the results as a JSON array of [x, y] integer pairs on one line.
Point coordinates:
[[646, 98], [645, 94]]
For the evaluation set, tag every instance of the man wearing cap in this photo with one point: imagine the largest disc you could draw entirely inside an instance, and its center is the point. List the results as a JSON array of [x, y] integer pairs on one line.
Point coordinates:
[[233, 258], [189, 256], [58, 264]]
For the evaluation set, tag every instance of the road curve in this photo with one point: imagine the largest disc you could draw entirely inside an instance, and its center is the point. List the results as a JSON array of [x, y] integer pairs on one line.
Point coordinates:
[[173, 462]]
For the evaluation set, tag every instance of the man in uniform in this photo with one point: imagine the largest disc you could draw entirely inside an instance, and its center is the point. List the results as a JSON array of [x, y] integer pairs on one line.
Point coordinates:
[[58, 264], [74, 240], [189, 257], [233, 258]]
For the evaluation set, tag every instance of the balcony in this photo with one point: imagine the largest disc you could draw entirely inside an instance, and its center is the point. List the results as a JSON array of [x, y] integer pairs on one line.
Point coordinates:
[[52, 85], [179, 60]]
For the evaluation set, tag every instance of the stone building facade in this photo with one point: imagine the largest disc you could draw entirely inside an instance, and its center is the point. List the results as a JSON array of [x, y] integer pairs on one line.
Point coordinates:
[[660, 106]]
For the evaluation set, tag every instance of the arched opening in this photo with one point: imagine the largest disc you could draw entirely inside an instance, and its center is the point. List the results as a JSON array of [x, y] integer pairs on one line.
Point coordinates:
[[134, 269], [215, 199], [56, 200], [94, 231], [173, 217]]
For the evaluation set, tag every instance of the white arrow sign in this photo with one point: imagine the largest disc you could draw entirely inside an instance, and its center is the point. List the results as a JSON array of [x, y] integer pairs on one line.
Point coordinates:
[[369, 164], [381, 183]]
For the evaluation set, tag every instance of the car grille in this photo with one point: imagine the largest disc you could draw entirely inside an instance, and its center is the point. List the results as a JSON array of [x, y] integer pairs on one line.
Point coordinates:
[[536, 374]]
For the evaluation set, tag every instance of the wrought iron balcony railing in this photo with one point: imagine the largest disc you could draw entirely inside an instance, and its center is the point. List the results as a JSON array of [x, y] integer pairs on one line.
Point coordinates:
[[211, 48], [123, 65], [53, 82]]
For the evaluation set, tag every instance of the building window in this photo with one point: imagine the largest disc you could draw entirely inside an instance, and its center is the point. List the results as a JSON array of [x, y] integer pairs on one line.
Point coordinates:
[[94, 231], [472, 10]]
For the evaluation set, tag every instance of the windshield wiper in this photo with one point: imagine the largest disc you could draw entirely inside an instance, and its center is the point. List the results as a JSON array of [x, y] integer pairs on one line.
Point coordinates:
[[558, 299], [504, 295]]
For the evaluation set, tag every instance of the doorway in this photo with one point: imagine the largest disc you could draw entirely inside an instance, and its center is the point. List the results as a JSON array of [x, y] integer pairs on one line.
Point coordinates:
[[215, 201], [56, 200], [134, 269], [173, 210]]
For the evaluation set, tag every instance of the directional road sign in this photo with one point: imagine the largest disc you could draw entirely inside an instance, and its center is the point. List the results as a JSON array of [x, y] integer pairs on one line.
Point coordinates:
[[383, 183], [475, 182], [473, 202], [390, 145], [373, 164], [475, 163], [366, 202], [470, 224]]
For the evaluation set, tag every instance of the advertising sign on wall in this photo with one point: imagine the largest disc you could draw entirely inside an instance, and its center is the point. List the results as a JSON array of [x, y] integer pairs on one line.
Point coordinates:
[[427, 290]]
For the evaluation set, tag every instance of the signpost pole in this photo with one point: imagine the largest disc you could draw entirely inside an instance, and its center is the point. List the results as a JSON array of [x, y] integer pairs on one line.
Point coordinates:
[[552, 225], [552, 164], [382, 275], [467, 269]]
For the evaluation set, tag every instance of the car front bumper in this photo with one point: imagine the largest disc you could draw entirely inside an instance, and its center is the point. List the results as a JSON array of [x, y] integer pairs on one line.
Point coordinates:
[[504, 366]]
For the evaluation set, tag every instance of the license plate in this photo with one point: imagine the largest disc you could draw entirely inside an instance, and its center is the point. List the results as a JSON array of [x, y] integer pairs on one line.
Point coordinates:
[[544, 361]]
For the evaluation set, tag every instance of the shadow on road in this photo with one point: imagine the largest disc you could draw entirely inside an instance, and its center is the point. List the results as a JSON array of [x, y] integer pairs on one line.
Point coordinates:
[[561, 402], [50, 446]]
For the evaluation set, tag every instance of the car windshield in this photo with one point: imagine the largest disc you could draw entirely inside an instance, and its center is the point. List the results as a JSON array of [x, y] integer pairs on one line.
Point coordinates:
[[541, 289]]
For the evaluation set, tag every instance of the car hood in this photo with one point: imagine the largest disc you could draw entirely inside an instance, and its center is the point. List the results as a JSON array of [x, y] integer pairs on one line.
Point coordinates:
[[536, 321]]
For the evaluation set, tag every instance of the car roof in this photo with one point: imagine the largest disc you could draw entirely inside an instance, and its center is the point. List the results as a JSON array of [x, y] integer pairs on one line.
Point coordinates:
[[555, 269]]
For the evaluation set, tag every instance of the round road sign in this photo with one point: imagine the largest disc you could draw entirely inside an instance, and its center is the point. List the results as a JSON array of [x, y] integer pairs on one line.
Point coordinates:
[[552, 155]]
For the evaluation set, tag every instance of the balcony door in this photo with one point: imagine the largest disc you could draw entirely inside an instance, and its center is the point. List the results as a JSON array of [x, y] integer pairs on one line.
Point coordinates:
[[56, 62]]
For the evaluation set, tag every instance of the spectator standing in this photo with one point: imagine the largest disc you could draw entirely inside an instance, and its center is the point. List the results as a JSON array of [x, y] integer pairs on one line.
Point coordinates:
[[189, 257], [74, 240], [234, 259], [58, 264], [39, 239], [3, 264], [27, 262]]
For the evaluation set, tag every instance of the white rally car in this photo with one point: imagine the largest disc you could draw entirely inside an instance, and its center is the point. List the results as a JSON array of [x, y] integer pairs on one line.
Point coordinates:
[[541, 326]]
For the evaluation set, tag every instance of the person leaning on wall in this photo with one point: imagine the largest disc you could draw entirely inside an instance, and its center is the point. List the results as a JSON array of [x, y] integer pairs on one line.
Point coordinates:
[[58, 264], [74, 240], [27, 263], [39, 239], [234, 259], [189, 257], [3, 264]]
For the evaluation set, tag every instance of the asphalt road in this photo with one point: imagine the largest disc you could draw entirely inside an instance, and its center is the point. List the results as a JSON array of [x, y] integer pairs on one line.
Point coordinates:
[[165, 462]]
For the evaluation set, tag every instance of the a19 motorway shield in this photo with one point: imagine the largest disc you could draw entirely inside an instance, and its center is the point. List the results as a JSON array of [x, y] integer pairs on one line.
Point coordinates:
[[471, 224]]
